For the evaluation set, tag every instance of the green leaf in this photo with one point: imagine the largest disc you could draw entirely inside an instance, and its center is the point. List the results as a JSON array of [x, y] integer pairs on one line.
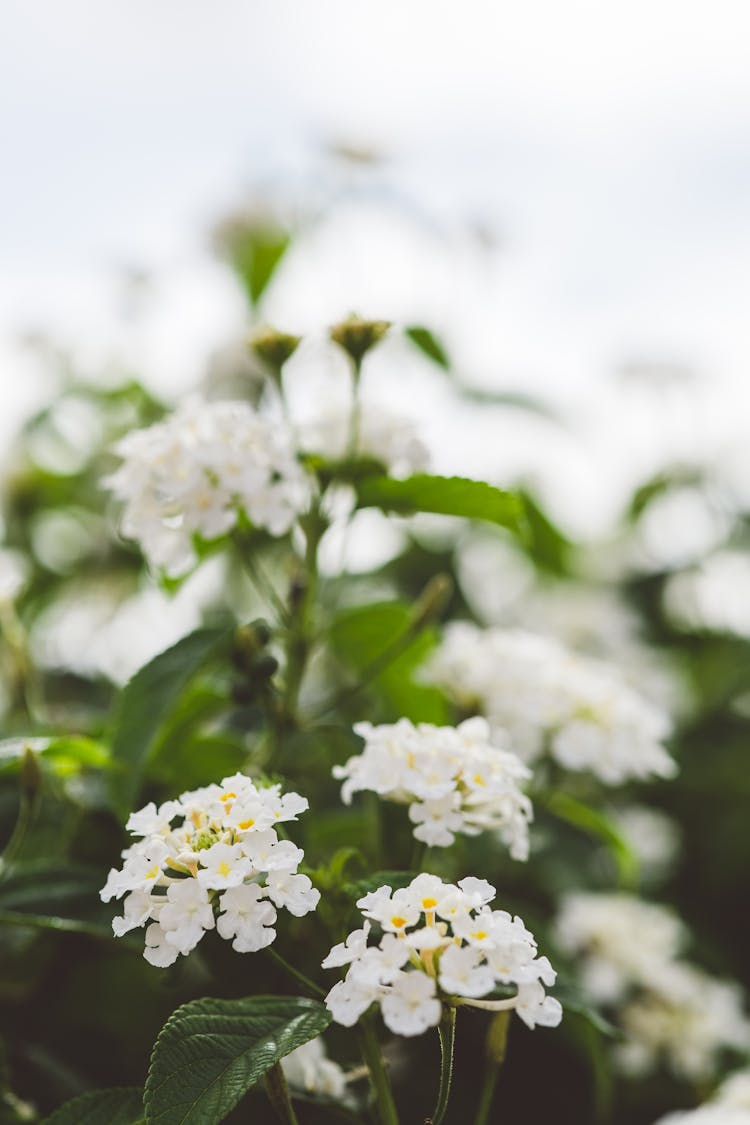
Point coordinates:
[[66, 754], [549, 548], [255, 257], [47, 885], [211, 1052], [597, 824], [363, 635], [122, 1106], [428, 344], [447, 496], [147, 701]]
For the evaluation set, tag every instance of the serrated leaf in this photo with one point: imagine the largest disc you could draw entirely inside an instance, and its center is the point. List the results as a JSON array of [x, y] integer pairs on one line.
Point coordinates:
[[122, 1106], [447, 496], [147, 700], [211, 1052], [428, 344]]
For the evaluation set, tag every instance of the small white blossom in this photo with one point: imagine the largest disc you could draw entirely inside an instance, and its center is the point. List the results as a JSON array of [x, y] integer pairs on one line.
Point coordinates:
[[454, 779], [193, 473], [423, 960], [548, 699], [211, 860], [309, 1069]]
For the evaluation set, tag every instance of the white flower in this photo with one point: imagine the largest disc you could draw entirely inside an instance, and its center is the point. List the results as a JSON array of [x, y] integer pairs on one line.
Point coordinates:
[[159, 951], [247, 917], [186, 915], [411, 1005], [454, 779], [211, 860], [668, 1009], [13, 574], [549, 699], [223, 866], [308, 1068], [294, 892], [440, 943], [194, 472]]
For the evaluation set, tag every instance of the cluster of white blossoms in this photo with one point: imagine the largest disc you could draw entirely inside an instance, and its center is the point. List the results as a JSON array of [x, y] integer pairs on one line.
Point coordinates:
[[439, 942], [454, 779], [549, 699], [668, 1008], [382, 434], [730, 1105], [211, 860], [193, 473]]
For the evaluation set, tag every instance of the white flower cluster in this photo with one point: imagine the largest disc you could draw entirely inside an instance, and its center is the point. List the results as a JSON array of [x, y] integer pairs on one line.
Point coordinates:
[[193, 473], [668, 1008], [211, 859], [550, 699], [730, 1105], [13, 574], [439, 942], [454, 779], [381, 434], [309, 1069]]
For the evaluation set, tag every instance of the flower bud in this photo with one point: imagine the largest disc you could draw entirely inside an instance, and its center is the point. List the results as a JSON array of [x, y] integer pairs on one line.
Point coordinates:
[[357, 336], [273, 348]]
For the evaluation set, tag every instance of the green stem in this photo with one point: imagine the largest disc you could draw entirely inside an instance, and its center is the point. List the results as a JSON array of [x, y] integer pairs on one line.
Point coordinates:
[[301, 601], [381, 1087], [495, 1048], [309, 986], [355, 420], [447, 1035], [278, 1094]]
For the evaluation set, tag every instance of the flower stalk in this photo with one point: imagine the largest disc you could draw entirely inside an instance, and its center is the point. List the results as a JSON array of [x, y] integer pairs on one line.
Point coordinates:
[[379, 1083], [447, 1036]]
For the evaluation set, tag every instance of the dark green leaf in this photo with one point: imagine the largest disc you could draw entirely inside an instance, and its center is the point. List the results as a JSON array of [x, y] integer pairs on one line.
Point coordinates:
[[448, 496], [550, 549], [146, 702], [428, 344], [211, 1052], [102, 1107]]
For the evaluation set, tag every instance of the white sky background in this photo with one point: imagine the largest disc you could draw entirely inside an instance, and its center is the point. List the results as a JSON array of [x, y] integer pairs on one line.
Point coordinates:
[[607, 144]]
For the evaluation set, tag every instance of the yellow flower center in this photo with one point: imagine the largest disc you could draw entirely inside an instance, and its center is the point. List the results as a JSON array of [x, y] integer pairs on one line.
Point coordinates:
[[398, 921]]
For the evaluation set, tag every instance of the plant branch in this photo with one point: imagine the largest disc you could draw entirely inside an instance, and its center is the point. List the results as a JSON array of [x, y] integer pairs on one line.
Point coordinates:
[[381, 1087], [447, 1035]]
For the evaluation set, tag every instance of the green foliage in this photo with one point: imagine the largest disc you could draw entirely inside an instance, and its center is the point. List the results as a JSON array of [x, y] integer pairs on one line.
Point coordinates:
[[103, 1107], [211, 1052], [428, 344], [446, 496], [147, 700], [379, 641]]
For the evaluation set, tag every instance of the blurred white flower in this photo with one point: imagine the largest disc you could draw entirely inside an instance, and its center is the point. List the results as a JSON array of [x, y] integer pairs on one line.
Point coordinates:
[[670, 1010], [380, 433], [195, 472], [13, 574], [548, 698], [210, 860], [454, 779], [653, 837], [441, 943], [714, 596], [309, 1069]]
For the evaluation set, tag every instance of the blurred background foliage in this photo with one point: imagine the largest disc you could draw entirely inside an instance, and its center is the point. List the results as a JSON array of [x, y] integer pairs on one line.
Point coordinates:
[[664, 594]]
